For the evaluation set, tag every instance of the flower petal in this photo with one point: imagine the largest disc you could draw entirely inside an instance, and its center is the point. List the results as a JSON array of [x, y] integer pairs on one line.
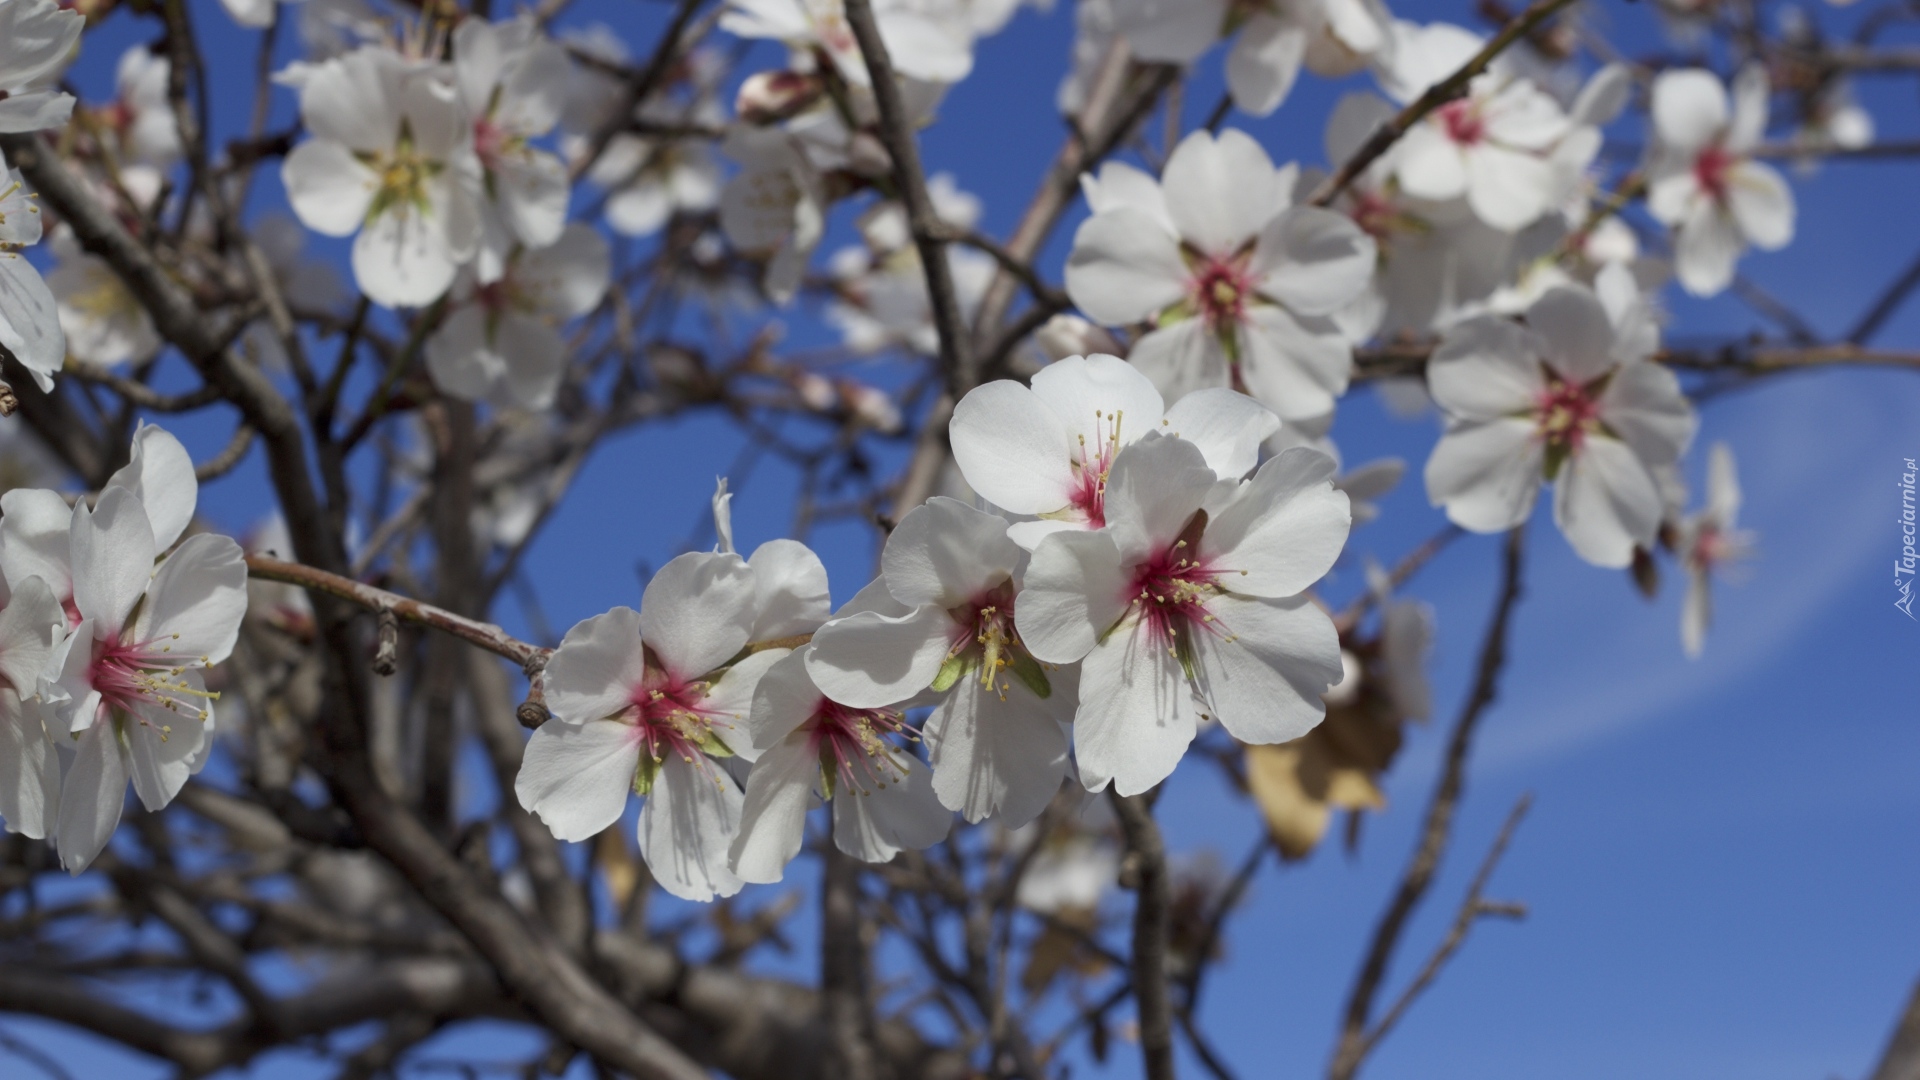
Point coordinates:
[[1137, 713], [1012, 448], [1314, 261], [1075, 588], [773, 812], [91, 797], [1263, 670], [687, 824], [160, 472], [1221, 191], [998, 751], [698, 611], [197, 599], [1283, 529], [1606, 503], [869, 660], [597, 668], [1226, 425], [790, 593], [29, 769], [1486, 474], [575, 777], [1689, 108], [1124, 267], [946, 553], [1486, 369], [1295, 366], [112, 558]]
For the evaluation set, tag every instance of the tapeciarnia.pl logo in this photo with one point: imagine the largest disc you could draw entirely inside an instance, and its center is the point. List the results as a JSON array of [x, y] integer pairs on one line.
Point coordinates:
[[1903, 567]]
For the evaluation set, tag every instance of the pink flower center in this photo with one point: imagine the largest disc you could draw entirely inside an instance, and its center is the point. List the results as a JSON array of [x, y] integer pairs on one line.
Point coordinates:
[[853, 745], [1462, 122], [1171, 590], [1710, 171], [1373, 213], [490, 141], [1710, 547], [130, 674], [1219, 291], [1566, 412], [1088, 495], [670, 716]]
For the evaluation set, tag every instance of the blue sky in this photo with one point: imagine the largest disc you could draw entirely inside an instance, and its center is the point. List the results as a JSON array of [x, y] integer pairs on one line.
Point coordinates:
[[1722, 859]]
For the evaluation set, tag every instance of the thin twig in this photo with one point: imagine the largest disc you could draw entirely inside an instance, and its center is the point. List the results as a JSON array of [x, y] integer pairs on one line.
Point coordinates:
[[1437, 828], [929, 236], [1152, 914], [1886, 306], [1472, 909]]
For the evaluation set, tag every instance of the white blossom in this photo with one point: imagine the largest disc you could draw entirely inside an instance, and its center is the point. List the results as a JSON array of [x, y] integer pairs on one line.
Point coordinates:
[[29, 312], [1710, 540], [882, 795], [513, 83], [1239, 284], [391, 160], [1190, 605], [946, 621], [1572, 397], [105, 325], [653, 701], [927, 42], [129, 674], [501, 340], [37, 39], [1702, 180], [1046, 451]]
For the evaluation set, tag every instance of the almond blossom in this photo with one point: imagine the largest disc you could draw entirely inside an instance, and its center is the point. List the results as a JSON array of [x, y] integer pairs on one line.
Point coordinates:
[[951, 574], [36, 524], [882, 795], [1238, 284], [776, 207], [1190, 605], [391, 161], [500, 341], [104, 324], [653, 702], [130, 672], [31, 626], [1573, 398], [37, 38], [1046, 451], [29, 313], [1702, 180], [1494, 146], [1276, 38], [1709, 542], [140, 124], [513, 84], [933, 43]]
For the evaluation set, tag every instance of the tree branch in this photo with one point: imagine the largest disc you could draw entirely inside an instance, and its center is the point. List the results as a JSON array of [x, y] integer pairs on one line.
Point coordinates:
[[1152, 914], [1437, 828]]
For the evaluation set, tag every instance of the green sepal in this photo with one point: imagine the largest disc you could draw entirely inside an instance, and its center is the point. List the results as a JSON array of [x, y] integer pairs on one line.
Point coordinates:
[[955, 668], [714, 746], [1029, 671], [829, 773], [1557, 455], [643, 775]]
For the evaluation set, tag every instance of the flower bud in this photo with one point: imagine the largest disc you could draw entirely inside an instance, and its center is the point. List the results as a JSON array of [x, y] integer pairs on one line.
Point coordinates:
[[768, 97], [1071, 335]]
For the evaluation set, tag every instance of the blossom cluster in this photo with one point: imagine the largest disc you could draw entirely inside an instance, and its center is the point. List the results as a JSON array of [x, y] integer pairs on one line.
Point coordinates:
[[1140, 575], [108, 622]]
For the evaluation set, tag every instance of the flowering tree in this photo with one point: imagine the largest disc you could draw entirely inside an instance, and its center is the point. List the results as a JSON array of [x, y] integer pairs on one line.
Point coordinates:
[[1103, 496]]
